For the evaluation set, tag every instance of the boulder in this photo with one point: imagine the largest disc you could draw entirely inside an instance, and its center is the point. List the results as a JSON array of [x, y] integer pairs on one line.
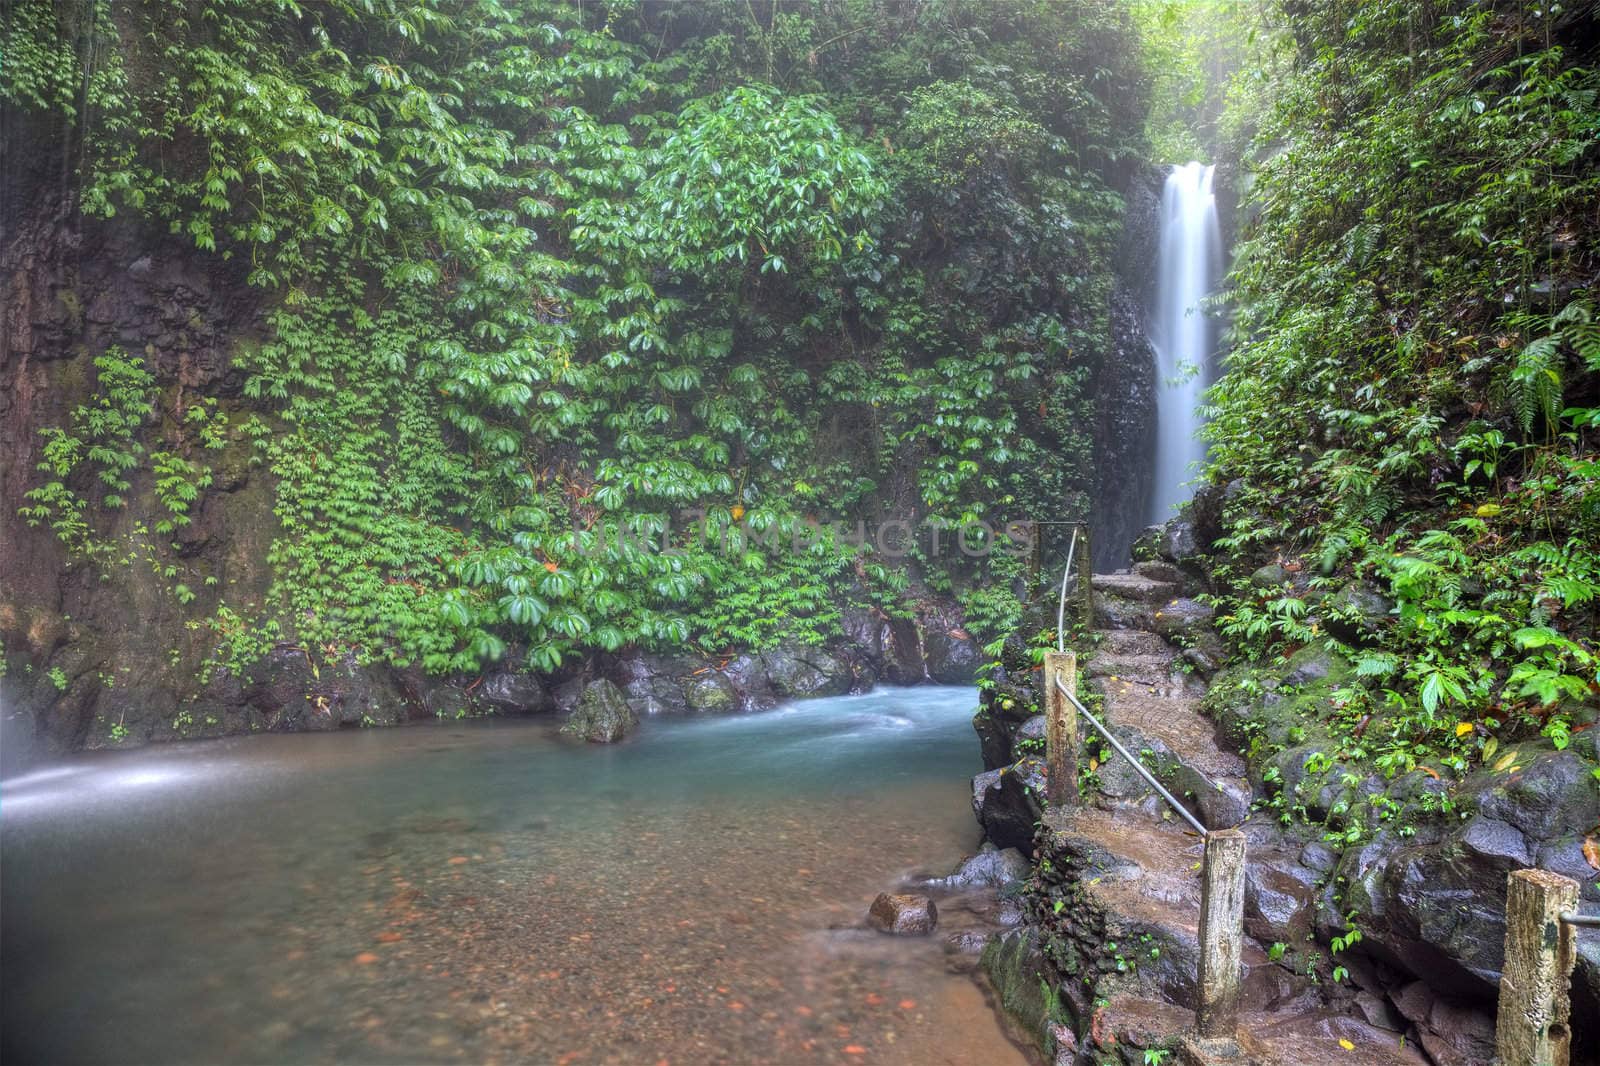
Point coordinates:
[[1183, 621], [1146, 546], [1271, 576], [602, 715], [711, 693], [1179, 541], [799, 671], [749, 676], [992, 866], [903, 915], [1009, 803], [951, 655], [1553, 794]]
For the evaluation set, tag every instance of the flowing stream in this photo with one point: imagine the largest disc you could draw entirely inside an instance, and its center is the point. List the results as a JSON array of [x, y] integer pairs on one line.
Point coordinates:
[[1189, 264], [486, 892]]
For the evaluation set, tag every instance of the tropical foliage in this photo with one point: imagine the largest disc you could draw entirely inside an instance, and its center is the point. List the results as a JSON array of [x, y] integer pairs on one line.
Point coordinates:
[[552, 289], [1414, 304]]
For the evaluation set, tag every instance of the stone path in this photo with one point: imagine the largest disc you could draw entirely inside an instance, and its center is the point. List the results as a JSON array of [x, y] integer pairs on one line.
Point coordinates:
[[1123, 871]]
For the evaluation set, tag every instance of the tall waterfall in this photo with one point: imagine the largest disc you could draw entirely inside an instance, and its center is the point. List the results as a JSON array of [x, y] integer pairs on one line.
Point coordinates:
[[1189, 264]]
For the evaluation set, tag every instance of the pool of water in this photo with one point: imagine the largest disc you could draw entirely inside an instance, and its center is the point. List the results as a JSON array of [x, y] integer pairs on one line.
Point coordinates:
[[487, 892]]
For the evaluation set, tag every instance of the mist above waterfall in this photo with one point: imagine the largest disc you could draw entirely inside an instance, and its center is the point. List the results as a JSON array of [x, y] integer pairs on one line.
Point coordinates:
[[1188, 265]]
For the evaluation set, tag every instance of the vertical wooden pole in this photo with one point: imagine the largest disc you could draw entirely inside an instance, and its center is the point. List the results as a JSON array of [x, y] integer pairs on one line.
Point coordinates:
[[1221, 932], [1534, 1026], [1060, 729], [1086, 581]]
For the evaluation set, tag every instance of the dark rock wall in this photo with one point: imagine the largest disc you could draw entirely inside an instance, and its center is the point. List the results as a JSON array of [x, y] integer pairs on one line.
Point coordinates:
[[1125, 388]]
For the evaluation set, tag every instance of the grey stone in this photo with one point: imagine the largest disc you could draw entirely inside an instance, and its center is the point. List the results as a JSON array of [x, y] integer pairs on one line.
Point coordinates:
[[990, 867], [799, 671], [1009, 803], [1496, 843]]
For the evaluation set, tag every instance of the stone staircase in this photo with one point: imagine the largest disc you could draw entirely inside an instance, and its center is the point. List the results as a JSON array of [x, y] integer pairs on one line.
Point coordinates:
[[1114, 919]]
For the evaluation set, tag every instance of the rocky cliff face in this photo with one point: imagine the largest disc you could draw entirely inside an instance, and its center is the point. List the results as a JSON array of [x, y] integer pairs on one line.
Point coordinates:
[[91, 646], [1125, 389]]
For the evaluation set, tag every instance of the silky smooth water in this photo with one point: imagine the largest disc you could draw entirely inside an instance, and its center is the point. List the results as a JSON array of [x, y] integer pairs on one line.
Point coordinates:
[[1189, 263], [486, 892]]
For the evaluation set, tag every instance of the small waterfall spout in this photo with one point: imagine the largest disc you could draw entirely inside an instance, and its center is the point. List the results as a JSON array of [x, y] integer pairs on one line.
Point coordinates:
[[1188, 266]]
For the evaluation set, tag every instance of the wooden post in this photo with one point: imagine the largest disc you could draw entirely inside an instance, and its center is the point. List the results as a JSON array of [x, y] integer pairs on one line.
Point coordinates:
[[1086, 581], [1221, 932], [1534, 1026], [1060, 729]]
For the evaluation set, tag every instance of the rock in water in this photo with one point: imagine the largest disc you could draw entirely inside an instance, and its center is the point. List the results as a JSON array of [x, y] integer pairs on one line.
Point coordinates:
[[602, 715], [903, 915]]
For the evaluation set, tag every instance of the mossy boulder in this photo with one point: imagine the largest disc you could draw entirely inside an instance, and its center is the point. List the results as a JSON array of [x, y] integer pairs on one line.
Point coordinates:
[[1021, 977], [711, 693], [602, 715], [799, 671]]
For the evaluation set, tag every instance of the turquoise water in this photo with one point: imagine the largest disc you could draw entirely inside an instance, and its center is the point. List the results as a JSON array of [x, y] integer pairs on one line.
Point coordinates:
[[486, 891]]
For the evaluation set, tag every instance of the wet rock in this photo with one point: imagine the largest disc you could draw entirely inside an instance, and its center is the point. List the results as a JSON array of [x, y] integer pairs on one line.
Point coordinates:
[[1551, 795], [867, 632], [1318, 856], [711, 693], [903, 915], [1182, 621], [602, 715], [653, 685], [992, 867], [1414, 1001], [1356, 613], [1136, 587], [952, 656], [1160, 570], [1118, 612], [994, 739], [514, 693], [1217, 805], [1146, 546], [903, 663], [798, 671], [1495, 843], [749, 676], [1009, 803], [1279, 900]]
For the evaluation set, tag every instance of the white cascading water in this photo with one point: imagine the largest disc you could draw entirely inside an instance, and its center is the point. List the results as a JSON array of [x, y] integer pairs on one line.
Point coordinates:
[[1189, 263]]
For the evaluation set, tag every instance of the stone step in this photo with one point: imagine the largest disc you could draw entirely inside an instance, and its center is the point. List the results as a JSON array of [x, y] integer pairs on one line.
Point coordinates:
[[1132, 586]]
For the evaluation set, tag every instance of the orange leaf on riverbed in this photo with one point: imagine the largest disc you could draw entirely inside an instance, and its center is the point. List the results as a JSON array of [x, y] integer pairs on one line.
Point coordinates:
[[1591, 851]]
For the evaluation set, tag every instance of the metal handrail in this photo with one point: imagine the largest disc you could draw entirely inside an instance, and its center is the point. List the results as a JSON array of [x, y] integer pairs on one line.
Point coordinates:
[[1575, 918], [1138, 766], [1061, 607]]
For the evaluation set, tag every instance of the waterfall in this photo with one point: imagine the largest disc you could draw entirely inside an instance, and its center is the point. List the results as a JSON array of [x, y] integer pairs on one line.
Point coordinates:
[[1188, 265]]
